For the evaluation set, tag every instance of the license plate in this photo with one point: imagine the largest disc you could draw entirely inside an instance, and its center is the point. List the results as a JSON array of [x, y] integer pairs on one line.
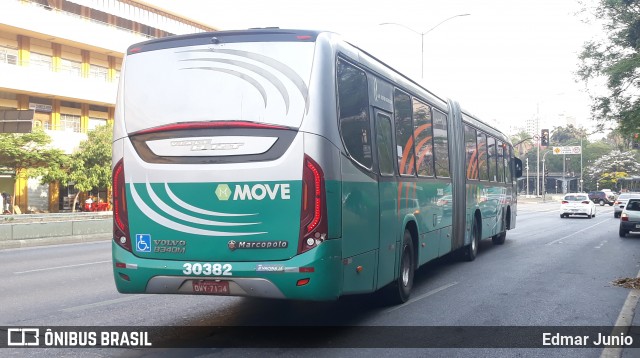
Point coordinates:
[[211, 287], [637, 226], [575, 209]]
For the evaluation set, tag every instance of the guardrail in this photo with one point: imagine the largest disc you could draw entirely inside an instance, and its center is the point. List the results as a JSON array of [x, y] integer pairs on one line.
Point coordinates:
[[50, 229]]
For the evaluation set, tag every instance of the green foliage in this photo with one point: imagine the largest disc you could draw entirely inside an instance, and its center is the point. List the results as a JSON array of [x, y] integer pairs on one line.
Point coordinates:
[[569, 135], [522, 143], [29, 150], [616, 60], [90, 166]]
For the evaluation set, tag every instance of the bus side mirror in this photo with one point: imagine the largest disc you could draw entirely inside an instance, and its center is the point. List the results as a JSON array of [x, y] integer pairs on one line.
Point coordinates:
[[517, 167]]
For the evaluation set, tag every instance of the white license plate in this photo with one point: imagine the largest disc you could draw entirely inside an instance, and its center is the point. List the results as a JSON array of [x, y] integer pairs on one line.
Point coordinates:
[[637, 226]]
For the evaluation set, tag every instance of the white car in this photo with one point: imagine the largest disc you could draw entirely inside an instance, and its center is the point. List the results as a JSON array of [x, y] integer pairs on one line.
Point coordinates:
[[577, 204], [630, 217], [621, 201]]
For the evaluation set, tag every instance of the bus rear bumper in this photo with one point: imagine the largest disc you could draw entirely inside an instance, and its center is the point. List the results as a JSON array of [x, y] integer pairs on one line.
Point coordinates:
[[313, 275]]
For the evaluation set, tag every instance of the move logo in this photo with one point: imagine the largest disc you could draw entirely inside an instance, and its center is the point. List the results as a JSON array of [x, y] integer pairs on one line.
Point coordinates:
[[223, 192], [254, 192]]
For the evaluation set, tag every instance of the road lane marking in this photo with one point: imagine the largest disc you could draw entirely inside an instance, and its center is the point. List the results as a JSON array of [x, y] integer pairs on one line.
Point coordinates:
[[425, 295], [102, 303], [623, 323], [61, 267], [577, 232], [601, 244]]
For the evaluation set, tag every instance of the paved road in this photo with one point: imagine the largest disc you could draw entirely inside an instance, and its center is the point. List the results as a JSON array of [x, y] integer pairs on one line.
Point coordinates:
[[550, 272]]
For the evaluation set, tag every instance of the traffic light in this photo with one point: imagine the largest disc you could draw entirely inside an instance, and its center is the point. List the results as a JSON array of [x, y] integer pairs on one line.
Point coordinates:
[[546, 172], [544, 138]]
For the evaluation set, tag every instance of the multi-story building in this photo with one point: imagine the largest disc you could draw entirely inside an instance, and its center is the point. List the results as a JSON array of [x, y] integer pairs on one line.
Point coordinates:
[[62, 59]]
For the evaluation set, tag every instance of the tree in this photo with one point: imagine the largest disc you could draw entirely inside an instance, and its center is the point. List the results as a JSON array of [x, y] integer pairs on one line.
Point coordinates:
[[616, 60], [90, 166], [568, 135], [28, 150], [607, 170], [522, 143]]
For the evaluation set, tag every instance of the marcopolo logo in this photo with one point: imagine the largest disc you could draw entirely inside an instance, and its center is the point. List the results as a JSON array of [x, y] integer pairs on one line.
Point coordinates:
[[254, 192]]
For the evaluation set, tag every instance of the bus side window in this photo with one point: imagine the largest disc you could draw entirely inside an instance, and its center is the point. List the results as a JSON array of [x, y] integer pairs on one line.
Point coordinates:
[[491, 150], [441, 144], [500, 161], [471, 149], [353, 103], [384, 144], [483, 164], [423, 132], [508, 154], [404, 133]]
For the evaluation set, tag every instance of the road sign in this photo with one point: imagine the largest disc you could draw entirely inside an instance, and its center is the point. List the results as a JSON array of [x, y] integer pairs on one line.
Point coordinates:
[[575, 149]]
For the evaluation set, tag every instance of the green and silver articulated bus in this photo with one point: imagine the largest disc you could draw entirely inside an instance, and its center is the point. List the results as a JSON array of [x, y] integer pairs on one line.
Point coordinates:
[[291, 164]]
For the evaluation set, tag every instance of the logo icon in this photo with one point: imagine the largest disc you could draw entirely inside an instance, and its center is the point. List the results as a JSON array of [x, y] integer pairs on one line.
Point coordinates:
[[143, 242], [223, 192], [23, 337], [232, 245]]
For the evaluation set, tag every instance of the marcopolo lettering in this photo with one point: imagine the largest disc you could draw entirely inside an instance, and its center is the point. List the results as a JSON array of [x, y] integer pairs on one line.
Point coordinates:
[[280, 244]]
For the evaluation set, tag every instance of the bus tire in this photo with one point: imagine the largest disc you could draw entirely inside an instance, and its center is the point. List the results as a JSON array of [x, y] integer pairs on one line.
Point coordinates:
[[400, 290], [471, 251], [499, 239]]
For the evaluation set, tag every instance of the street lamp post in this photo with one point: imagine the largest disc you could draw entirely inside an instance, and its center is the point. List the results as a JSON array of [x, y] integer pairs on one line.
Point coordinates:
[[422, 36]]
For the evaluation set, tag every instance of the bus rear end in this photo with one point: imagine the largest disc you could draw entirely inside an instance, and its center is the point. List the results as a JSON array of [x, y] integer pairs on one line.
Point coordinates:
[[213, 191]]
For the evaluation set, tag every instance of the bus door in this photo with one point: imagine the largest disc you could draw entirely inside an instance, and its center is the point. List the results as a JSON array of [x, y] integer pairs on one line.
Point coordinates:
[[387, 194]]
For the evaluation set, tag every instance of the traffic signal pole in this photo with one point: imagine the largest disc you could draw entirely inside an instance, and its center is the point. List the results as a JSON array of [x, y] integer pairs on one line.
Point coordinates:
[[544, 175]]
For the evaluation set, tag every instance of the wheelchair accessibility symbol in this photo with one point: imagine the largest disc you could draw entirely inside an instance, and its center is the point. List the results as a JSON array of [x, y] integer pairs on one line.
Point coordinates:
[[143, 243]]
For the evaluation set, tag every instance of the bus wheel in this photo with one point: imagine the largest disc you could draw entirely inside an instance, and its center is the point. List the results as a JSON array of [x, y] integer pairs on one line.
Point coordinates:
[[499, 239], [400, 290], [471, 251]]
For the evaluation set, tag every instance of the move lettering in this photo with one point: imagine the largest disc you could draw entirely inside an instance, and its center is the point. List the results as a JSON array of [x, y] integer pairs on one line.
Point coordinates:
[[262, 191]]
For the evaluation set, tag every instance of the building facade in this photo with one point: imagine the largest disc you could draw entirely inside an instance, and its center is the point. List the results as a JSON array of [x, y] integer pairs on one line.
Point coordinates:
[[62, 59]]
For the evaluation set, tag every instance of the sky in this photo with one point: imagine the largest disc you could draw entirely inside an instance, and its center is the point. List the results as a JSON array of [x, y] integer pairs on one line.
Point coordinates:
[[507, 61]]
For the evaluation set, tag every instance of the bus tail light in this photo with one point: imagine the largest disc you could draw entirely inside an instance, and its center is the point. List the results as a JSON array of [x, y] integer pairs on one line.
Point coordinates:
[[120, 222], [313, 216]]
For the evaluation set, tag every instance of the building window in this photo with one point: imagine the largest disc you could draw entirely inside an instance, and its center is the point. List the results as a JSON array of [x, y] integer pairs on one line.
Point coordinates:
[[71, 67], [98, 72], [70, 123], [40, 60], [8, 55], [96, 122]]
